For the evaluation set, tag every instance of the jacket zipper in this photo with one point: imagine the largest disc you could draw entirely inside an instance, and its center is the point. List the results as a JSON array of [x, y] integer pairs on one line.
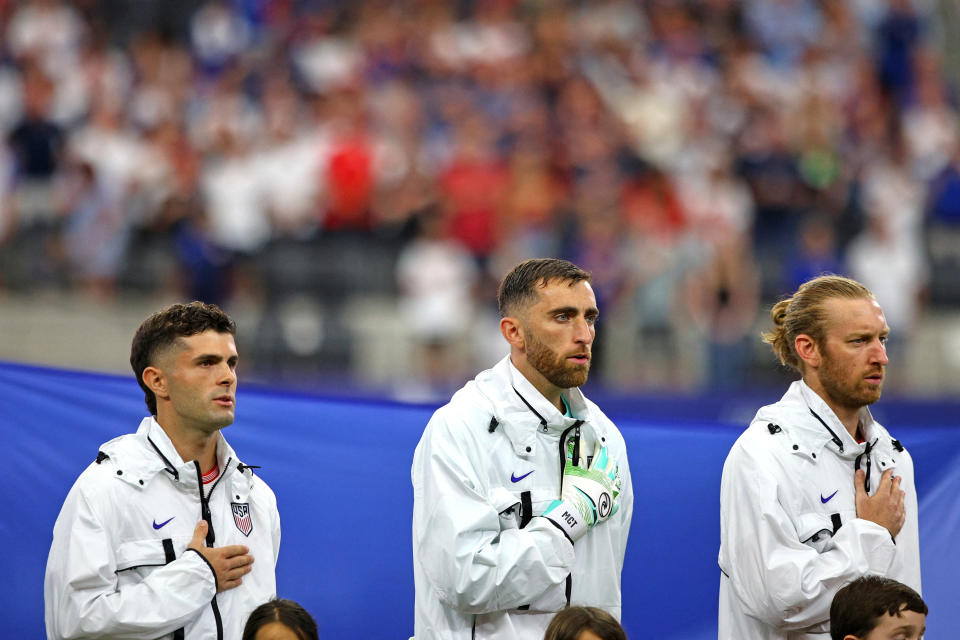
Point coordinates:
[[856, 464], [211, 536], [575, 427]]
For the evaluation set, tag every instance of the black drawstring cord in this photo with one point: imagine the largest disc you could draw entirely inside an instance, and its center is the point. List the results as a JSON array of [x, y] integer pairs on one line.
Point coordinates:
[[172, 470], [543, 421], [835, 437]]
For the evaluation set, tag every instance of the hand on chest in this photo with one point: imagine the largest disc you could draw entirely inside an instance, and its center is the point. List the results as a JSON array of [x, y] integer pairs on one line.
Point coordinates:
[[820, 497]]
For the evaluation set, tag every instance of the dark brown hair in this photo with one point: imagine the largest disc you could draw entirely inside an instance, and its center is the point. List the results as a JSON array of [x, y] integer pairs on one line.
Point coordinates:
[[518, 287], [286, 612], [804, 313], [569, 623], [160, 330], [857, 608]]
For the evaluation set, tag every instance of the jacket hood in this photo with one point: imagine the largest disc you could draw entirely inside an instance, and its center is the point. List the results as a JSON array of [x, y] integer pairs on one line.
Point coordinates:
[[523, 412], [812, 424], [149, 451]]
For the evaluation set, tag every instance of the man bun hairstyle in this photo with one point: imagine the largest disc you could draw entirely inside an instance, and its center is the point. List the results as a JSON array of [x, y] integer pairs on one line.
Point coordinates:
[[162, 329], [857, 608], [805, 313], [519, 287]]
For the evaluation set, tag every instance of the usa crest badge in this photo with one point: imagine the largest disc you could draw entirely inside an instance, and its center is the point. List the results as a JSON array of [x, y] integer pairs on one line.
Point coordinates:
[[241, 516]]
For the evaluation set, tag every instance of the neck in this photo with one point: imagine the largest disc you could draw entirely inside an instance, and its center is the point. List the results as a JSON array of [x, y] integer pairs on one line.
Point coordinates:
[[191, 444], [549, 390]]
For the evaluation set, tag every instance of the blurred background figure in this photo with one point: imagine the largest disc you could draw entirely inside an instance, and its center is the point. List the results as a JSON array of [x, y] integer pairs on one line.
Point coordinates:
[[436, 276], [276, 158]]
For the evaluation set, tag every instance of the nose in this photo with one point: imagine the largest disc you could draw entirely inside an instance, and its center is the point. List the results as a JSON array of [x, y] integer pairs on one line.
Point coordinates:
[[584, 331], [228, 376], [879, 354]]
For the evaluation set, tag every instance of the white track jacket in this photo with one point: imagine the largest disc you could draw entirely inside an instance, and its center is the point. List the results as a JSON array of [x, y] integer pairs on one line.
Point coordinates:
[[789, 533], [119, 567], [488, 463]]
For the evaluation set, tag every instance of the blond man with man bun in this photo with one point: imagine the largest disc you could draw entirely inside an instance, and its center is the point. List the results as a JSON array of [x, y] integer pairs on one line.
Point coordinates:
[[816, 493]]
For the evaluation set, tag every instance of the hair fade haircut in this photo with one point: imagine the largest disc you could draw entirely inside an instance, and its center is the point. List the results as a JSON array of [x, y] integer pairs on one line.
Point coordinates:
[[161, 330], [518, 288], [569, 623], [857, 608], [805, 313], [286, 612]]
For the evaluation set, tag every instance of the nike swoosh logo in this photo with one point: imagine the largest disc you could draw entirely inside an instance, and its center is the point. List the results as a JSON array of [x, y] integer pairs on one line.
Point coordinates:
[[514, 478], [158, 526], [827, 499]]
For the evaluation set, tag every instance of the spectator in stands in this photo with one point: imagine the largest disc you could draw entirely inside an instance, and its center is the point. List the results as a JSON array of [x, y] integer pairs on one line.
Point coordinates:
[[436, 277], [111, 572], [877, 608], [494, 521], [287, 121], [36, 145], [280, 620], [801, 507], [584, 623]]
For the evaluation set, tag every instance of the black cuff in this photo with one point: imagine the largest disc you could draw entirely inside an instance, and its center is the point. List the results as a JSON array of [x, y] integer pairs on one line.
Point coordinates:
[[557, 525], [212, 570]]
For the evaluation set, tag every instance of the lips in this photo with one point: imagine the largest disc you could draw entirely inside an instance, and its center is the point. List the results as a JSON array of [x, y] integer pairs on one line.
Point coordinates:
[[580, 358], [224, 400]]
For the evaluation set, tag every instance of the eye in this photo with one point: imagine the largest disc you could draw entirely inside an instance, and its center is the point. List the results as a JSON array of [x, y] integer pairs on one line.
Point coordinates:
[[883, 340], [592, 320], [562, 317]]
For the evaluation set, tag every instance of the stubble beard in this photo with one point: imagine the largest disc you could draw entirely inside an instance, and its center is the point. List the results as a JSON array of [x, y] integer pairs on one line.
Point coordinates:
[[553, 367], [853, 395]]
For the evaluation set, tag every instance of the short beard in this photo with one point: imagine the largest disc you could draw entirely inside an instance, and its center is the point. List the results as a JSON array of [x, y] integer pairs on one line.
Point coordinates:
[[831, 377], [552, 366]]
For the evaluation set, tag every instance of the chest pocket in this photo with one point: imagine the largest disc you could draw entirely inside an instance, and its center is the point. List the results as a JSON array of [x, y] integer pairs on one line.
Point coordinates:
[[138, 558], [516, 508], [815, 530]]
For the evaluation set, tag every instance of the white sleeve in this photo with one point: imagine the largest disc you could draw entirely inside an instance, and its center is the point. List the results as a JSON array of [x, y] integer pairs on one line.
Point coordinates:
[[473, 563], [82, 596], [777, 578]]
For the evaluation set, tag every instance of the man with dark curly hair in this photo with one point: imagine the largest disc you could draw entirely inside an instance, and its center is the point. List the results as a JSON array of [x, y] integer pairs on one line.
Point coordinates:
[[158, 536]]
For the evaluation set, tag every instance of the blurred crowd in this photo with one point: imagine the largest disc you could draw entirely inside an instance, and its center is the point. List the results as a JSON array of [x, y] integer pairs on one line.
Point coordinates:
[[700, 158]]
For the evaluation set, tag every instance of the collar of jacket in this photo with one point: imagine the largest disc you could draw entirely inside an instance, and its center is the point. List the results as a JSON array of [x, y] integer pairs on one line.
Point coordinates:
[[140, 462], [508, 388], [810, 435]]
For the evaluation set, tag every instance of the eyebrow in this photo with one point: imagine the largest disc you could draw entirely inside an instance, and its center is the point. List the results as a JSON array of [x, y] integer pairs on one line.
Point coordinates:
[[859, 333], [215, 357], [573, 310]]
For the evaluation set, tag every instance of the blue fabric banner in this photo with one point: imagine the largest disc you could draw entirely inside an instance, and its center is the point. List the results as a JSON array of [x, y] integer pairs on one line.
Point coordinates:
[[341, 472]]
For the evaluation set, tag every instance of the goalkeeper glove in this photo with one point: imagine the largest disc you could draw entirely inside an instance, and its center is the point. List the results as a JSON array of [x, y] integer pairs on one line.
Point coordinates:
[[589, 494]]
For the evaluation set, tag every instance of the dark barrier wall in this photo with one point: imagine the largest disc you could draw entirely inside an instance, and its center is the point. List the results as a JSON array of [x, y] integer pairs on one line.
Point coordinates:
[[341, 471]]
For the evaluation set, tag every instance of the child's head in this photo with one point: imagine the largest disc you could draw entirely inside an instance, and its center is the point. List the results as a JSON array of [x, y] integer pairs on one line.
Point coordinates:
[[877, 608], [584, 623], [280, 620]]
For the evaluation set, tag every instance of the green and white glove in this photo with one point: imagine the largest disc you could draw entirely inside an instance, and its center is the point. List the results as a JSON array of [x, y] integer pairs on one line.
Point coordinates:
[[589, 494]]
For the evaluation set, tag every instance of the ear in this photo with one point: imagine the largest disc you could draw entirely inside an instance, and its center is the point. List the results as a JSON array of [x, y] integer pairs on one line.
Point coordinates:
[[512, 332], [808, 350], [156, 381]]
